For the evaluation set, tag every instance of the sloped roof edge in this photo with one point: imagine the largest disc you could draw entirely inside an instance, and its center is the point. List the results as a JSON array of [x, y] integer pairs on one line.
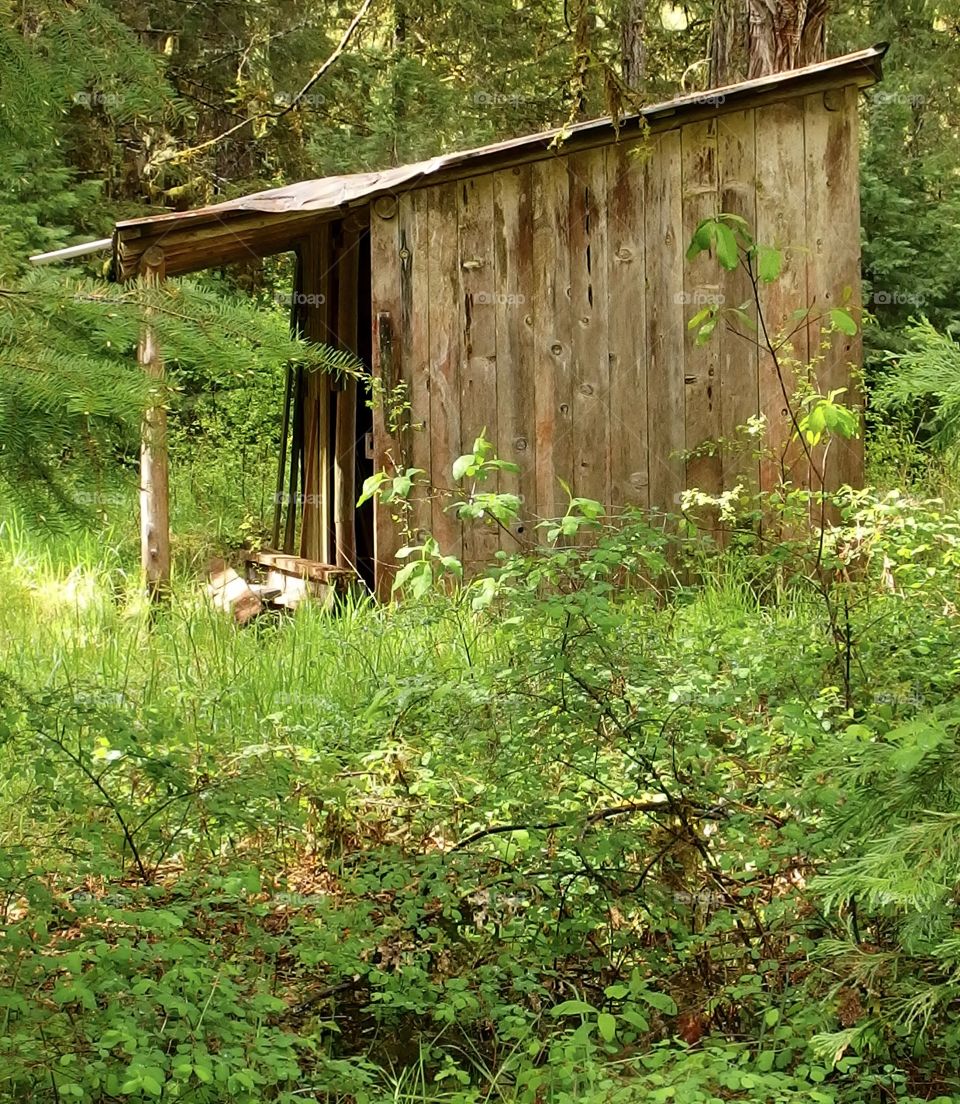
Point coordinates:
[[294, 202]]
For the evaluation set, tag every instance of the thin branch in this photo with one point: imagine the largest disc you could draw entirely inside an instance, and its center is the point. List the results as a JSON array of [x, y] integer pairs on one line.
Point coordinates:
[[341, 46], [593, 818]]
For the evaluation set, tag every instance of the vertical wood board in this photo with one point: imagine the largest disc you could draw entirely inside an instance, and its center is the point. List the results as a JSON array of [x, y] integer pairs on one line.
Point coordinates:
[[739, 379], [781, 222], [415, 348], [552, 333], [665, 323], [516, 415], [833, 262], [589, 354], [478, 346], [626, 325], [701, 290], [443, 318], [388, 372]]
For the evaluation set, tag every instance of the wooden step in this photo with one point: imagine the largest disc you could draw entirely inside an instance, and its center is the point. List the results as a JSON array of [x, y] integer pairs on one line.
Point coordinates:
[[311, 570]]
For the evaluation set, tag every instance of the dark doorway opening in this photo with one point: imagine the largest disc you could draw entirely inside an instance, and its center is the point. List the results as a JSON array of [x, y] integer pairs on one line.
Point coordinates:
[[364, 449]]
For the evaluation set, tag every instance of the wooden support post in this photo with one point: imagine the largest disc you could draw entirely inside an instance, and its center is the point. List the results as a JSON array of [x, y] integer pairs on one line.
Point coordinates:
[[345, 444], [154, 474], [316, 513]]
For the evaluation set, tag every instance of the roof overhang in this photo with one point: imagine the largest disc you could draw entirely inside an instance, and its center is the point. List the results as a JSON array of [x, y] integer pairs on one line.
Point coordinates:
[[273, 221]]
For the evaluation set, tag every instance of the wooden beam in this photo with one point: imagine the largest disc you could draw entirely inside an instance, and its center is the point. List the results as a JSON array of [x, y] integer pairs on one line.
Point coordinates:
[[154, 474], [300, 567]]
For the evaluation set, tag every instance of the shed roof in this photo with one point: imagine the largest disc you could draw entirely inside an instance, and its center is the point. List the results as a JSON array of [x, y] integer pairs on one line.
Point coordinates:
[[274, 220]]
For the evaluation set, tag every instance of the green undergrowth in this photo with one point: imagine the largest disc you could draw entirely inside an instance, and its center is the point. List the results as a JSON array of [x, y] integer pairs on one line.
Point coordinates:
[[648, 822]]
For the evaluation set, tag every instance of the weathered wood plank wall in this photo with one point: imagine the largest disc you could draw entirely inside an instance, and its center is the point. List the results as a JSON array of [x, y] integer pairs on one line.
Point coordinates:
[[739, 379], [548, 303], [833, 262]]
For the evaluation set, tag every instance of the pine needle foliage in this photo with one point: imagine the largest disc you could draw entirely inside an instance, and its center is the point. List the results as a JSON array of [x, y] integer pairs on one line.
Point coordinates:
[[72, 393], [78, 89], [925, 381]]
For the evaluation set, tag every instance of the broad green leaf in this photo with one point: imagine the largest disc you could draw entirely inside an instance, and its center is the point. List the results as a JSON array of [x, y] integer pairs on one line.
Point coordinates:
[[661, 1001], [743, 318], [371, 485], [607, 1026], [409, 573], [842, 320], [504, 465], [706, 330], [702, 238], [727, 253], [699, 317], [769, 263], [589, 507], [572, 1008], [402, 486], [635, 1019], [462, 465]]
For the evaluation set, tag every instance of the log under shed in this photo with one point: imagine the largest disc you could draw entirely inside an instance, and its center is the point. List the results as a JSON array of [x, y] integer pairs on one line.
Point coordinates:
[[538, 289]]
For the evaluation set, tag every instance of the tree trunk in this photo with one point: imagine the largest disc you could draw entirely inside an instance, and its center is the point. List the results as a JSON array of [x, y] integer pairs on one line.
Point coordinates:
[[753, 38], [633, 45], [583, 27]]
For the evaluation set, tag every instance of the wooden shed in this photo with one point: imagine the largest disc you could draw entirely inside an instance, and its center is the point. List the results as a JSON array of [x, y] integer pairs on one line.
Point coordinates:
[[538, 289]]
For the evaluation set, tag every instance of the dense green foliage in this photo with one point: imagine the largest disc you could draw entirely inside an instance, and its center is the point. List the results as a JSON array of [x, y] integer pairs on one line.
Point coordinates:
[[646, 816], [480, 848]]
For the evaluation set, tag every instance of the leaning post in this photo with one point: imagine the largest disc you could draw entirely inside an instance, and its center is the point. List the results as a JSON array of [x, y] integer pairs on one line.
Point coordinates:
[[154, 474]]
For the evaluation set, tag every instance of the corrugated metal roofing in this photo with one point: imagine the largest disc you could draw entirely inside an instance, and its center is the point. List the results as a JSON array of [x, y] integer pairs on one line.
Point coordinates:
[[238, 227]]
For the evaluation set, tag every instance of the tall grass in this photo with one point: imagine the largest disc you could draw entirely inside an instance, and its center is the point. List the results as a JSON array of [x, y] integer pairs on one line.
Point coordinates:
[[363, 745]]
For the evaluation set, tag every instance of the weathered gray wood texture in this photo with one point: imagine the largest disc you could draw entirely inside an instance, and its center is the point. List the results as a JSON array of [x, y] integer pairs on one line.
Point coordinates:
[[548, 302]]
